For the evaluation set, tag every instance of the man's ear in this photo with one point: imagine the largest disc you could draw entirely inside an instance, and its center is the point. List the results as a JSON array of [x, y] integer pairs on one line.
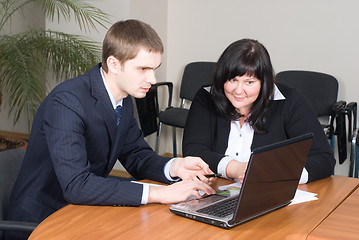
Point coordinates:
[[113, 64]]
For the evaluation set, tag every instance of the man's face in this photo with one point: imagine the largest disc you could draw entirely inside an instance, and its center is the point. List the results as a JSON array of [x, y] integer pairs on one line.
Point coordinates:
[[138, 74]]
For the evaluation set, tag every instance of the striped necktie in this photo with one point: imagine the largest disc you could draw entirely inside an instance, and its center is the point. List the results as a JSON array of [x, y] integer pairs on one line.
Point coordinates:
[[118, 112]]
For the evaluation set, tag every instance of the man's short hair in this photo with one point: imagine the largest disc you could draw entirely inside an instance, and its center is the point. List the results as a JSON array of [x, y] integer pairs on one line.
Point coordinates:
[[125, 38]]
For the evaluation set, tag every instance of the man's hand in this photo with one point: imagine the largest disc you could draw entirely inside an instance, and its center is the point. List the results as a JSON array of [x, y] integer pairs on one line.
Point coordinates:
[[178, 191], [189, 167]]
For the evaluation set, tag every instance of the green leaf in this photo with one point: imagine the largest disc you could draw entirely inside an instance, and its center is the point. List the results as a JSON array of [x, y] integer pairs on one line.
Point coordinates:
[[26, 58]]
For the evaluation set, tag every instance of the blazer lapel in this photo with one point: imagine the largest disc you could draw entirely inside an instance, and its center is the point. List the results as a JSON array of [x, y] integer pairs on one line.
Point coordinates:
[[103, 104]]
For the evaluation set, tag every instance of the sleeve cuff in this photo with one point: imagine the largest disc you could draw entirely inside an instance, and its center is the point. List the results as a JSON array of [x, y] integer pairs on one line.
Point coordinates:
[[167, 171], [222, 165], [146, 189], [304, 176]]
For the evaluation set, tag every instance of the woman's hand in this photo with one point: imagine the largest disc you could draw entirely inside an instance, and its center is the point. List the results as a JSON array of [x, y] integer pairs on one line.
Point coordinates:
[[236, 170]]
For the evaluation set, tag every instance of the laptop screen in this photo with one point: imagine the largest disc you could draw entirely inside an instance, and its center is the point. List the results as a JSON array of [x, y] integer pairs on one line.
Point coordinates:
[[272, 176]]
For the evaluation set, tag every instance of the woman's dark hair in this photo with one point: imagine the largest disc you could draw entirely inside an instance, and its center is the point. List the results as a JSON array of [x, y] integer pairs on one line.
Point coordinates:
[[243, 57]]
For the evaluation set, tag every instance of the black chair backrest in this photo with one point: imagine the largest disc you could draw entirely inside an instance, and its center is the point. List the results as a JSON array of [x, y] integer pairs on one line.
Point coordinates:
[[148, 112], [320, 89], [10, 163], [196, 75]]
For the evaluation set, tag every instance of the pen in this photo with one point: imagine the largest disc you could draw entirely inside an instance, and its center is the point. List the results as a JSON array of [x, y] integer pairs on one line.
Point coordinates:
[[214, 175]]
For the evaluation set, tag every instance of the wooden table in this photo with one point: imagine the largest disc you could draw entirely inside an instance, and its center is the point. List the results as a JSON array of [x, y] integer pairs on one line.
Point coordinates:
[[342, 223], [155, 221]]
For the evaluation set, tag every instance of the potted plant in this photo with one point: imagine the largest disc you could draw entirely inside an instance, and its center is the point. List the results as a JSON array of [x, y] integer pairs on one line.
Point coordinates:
[[26, 57], [11, 143]]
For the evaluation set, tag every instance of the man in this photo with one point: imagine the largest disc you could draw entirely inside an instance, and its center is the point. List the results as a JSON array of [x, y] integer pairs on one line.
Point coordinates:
[[76, 138]]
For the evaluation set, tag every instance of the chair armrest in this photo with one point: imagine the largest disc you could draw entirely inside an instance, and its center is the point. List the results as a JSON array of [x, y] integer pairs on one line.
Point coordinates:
[[351, 111], [17, 225], [170, 91], [355, 137], [341, 130], [337, 108]]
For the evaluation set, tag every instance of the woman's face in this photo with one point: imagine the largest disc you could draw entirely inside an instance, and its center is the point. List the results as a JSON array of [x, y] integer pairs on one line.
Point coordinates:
[[242, 91]]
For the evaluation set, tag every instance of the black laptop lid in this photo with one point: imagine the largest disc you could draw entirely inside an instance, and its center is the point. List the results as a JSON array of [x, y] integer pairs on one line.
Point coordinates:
[[272, 177]]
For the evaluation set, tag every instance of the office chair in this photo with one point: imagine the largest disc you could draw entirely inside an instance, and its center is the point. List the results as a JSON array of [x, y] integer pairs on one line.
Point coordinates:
[[321, 91], [195, 75], [353, 138], [147, 109], [10, 163]]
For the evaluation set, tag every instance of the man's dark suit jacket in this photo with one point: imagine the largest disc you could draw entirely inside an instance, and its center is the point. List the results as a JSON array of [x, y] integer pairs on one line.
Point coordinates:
[[73, 146], [206, 133]]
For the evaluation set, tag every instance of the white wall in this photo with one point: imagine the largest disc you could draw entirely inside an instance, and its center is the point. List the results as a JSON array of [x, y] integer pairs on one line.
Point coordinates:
[[319, 35], [154, 12]]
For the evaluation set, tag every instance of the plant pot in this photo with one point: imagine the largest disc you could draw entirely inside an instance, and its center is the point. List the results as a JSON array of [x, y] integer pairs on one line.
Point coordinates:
[[11, 143]]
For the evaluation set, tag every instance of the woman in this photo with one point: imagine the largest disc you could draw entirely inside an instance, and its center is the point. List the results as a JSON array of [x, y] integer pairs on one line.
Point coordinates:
[[244, 109]]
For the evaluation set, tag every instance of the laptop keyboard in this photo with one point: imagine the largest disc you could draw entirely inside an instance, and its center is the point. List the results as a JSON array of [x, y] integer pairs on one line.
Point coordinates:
[[220, 209]]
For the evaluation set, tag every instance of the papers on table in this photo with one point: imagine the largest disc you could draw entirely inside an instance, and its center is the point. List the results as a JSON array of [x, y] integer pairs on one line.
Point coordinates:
[[303, 196], [299, 197]]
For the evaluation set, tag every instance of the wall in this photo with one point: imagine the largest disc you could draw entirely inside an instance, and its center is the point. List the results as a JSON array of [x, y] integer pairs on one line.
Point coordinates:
[[154, 12], [317, 35]]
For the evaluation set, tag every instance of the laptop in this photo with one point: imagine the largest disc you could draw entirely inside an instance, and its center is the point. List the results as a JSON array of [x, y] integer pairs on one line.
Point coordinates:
[[270, 183]]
